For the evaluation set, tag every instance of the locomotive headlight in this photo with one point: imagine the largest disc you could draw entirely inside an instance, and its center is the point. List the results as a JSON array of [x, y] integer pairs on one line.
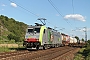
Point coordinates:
[[37, 39], [25, 39]]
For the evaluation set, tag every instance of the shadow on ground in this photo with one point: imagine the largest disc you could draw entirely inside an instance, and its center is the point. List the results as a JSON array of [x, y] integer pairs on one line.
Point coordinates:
[[18, 49]]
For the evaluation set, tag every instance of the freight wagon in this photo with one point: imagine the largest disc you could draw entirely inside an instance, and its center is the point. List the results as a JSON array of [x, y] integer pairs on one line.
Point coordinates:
[[65, 39], [76, 43], [71, 41], [42, 36]]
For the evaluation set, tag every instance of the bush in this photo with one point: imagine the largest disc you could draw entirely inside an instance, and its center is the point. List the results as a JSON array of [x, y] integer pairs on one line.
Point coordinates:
[[7, 41], [88, 57], [16, 38], [79, 55], [10, 36]]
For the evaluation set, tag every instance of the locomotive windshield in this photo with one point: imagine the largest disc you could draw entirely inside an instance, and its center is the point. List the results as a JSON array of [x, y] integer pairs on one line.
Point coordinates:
[[37, 30], [30, 30]]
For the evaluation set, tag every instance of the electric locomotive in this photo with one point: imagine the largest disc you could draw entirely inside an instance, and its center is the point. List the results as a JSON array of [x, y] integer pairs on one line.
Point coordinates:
[[41, 36]]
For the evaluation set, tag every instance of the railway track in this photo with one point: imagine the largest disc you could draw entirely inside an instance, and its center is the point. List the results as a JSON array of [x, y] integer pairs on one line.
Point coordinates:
[[52, 54], [49, 54], [6, 55]]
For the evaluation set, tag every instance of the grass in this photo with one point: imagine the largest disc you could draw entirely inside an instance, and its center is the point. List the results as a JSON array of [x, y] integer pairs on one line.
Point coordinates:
[[4, 49], [9, 49], [7, 41], [10, 46]]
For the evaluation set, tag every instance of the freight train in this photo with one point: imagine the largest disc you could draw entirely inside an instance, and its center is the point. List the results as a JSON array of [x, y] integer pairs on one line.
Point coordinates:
[[45, 37], [71, 41]]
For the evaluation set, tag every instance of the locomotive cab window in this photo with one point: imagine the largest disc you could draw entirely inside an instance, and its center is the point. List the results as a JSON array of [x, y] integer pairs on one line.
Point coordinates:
[[44, 30], [37, 30], [30, 30]]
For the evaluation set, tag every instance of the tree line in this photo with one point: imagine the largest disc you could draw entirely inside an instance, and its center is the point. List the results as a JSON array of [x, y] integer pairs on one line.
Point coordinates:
[[12, 29]]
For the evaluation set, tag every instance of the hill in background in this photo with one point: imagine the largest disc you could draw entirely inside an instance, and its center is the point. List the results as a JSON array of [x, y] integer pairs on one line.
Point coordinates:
[[11, 29]]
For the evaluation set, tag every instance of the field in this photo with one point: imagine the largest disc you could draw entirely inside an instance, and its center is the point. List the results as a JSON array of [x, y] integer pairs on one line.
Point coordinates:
[[10, 47]]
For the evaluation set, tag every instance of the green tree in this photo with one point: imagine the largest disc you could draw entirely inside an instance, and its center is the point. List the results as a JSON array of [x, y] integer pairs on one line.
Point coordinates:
[[88, 42], [10, 36], [17, 38], [13, 28], [77, 37], [82, 39]]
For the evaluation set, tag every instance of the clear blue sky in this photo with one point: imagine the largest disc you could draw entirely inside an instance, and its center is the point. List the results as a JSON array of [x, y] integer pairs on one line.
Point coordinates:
[[69, 14]]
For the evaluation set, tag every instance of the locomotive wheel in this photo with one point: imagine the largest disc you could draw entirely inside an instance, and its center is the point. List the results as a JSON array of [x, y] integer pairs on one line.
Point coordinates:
[[45, 47], [37, 48], [25, 46]]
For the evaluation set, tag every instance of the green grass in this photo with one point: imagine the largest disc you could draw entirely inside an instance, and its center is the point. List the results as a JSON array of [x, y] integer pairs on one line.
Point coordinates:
[[4, 49], [12, 48], [7, 49], [7, 41], [10, 42]]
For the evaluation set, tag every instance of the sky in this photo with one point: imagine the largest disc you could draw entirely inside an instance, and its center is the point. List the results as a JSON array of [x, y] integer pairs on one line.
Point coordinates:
[[67, 16]]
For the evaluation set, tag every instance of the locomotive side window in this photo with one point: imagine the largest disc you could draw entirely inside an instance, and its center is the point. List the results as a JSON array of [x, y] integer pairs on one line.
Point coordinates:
[[37, 30], [44, 30]]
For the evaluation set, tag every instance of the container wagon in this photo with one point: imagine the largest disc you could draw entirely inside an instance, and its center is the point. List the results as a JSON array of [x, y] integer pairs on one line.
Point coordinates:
[[76, 43], [65, 39]]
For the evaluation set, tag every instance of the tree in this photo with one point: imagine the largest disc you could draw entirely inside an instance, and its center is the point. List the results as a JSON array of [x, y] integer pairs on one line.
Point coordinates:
[[16, 38], [6, 18], [77, 37], [82, 39], [88, 41], [15, 30], [10, 36]]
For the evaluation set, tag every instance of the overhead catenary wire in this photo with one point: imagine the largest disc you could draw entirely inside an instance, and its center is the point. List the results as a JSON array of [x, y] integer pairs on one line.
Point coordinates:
[[31, 12], [39, 16], [55, 7], [28, 10], [73, 10], [24, 8], [52, 24], [59, 12], [73, 6]]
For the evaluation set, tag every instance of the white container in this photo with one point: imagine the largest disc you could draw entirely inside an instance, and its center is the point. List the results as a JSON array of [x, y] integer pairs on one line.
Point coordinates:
[[71, 40], [74, 40]]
